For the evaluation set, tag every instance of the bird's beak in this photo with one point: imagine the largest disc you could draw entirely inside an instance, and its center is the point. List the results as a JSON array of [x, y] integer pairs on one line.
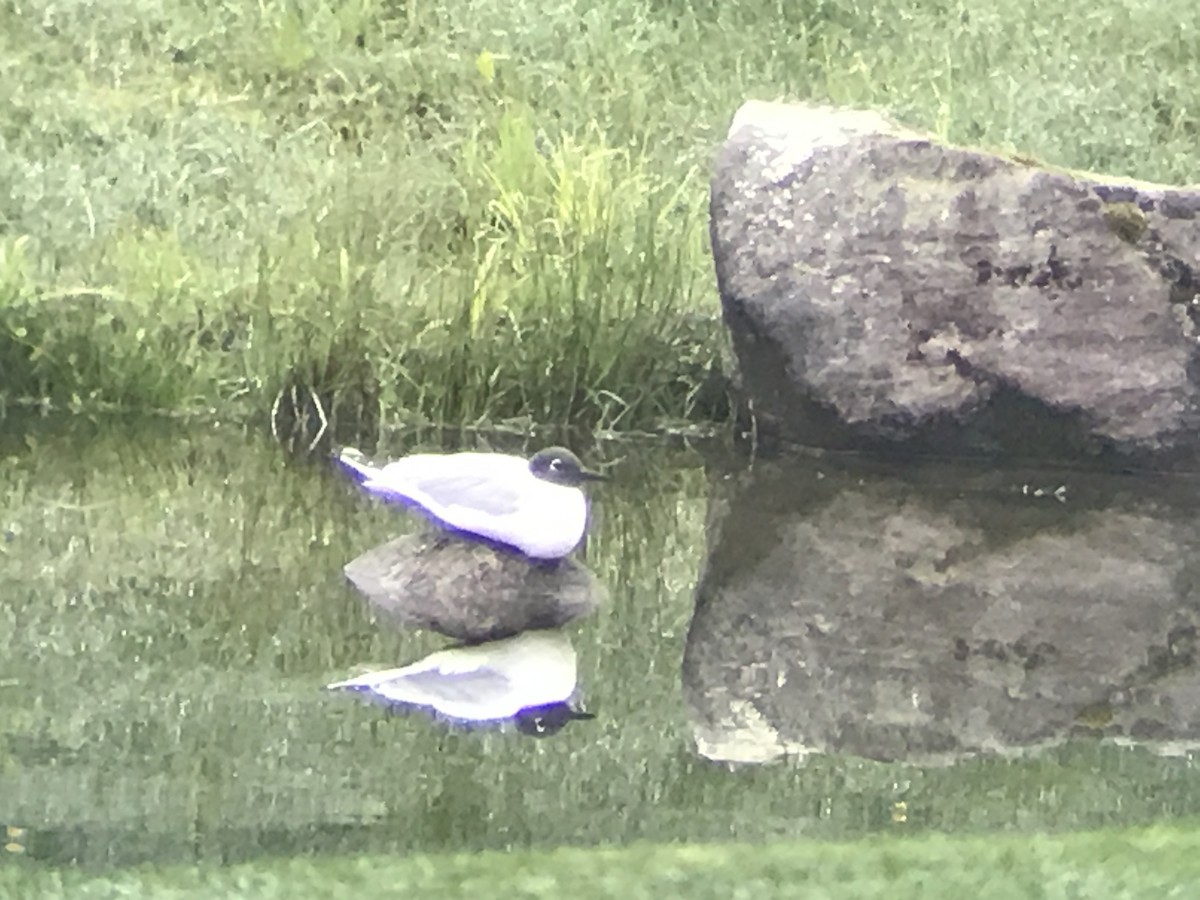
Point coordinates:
[[589, 475]]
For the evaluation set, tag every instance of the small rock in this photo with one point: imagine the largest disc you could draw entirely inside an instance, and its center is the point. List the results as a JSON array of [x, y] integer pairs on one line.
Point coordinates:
[[470, 590]]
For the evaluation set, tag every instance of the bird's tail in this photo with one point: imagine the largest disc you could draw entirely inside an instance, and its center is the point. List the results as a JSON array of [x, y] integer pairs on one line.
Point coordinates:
[[357, 464], [368, 681]]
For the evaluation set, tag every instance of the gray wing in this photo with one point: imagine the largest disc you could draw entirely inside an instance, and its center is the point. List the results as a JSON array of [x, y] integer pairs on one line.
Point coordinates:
[[487, 495], [484, 492]]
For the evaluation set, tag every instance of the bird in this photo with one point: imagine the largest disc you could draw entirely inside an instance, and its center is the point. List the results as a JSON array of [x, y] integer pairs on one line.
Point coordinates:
[[529, 678], [536, 505]]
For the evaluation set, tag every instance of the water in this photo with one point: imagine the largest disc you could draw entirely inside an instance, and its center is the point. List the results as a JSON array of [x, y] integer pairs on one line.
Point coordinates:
[[173, 603]]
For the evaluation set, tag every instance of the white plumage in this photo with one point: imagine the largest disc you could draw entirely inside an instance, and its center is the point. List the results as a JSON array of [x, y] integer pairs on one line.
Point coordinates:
[[534, 505]]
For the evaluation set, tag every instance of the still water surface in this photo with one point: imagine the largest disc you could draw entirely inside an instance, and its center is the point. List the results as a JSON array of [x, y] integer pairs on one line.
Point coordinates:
[[813, 649]]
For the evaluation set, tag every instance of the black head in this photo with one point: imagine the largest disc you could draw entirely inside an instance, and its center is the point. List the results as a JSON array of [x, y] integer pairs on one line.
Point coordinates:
[[560, 466]]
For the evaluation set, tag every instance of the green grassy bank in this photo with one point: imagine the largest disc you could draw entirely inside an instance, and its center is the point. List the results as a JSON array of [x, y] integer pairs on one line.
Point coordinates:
[[474, 212], [1158, 864]]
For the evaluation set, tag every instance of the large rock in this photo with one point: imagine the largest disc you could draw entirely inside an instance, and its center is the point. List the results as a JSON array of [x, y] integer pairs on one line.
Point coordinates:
[[882, 286]]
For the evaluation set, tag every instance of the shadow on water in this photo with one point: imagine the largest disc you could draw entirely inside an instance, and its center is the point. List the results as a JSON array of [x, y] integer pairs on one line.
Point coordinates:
[[175, 603]]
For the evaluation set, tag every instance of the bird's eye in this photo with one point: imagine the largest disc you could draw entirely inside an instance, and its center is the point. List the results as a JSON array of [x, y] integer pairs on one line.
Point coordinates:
[[556, 464]]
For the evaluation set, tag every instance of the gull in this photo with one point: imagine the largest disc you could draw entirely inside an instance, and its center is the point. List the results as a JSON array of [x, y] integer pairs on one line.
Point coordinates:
[[534, 505]]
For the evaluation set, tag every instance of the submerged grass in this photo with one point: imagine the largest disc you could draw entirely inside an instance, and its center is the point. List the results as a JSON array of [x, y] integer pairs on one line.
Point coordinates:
[[476, 212]]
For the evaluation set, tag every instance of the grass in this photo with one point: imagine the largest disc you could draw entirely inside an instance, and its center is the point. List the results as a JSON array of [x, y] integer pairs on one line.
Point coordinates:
[[477, 213], [1158, 863]]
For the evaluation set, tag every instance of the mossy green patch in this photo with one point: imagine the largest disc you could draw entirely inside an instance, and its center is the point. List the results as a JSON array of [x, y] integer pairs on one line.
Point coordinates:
[[1126, 221]]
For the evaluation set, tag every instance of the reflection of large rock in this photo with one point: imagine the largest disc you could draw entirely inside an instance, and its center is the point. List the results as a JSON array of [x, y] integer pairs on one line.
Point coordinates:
[[941, 616], [880, 285], [469, 590]]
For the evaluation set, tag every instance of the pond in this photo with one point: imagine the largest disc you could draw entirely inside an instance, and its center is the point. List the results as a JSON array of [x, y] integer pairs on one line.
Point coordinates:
[[821, 647]]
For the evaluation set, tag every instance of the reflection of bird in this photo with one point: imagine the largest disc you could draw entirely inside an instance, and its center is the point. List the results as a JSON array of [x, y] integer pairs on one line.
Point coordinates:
[[530, 678], [535, 505]]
